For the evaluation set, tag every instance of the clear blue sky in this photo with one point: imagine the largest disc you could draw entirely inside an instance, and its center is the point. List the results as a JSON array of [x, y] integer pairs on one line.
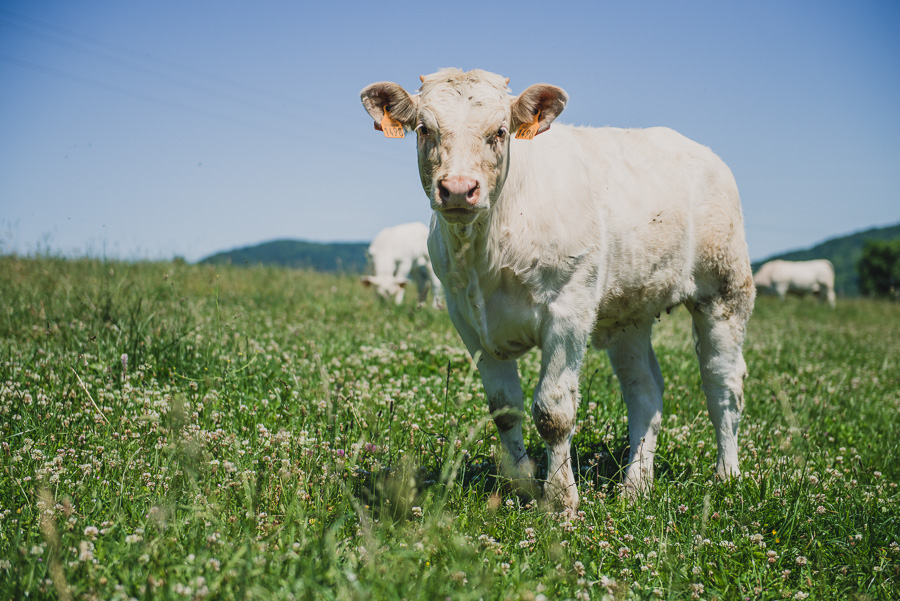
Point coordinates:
[[153, 129]]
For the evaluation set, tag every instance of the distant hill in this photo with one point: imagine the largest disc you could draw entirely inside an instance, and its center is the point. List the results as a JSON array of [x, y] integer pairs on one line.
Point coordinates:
[[345, 257], [350, 257], [843, 252]]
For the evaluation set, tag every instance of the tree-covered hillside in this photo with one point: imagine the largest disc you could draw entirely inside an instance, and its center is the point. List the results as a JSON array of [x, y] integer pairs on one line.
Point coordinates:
[[843, 252], [331, 257]]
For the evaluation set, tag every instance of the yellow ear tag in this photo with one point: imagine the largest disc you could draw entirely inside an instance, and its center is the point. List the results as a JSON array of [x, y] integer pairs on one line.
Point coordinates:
[[390, 126], [527, 131]]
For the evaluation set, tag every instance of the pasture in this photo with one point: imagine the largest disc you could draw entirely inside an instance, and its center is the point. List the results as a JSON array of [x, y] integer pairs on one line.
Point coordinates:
[[174, 431]]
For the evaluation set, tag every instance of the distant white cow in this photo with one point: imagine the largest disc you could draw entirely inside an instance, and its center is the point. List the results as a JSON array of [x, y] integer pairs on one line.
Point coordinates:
[[797, 277], [571, 236], [398, 255]]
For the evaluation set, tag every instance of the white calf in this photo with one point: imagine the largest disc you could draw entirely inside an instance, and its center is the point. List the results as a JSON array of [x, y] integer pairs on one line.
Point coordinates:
[[797, 277], [573, 236], [398, 255]]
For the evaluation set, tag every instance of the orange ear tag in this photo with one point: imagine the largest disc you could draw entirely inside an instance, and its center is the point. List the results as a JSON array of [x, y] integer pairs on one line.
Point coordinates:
[[390, 126], [527, 131]]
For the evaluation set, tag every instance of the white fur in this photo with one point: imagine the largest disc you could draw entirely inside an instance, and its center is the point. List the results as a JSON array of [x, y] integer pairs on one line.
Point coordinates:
[[581, 235], [398, 255], [797, 277]]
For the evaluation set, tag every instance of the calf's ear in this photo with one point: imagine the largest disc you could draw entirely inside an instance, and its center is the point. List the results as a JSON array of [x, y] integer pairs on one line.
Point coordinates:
[[366, 281], [385, 94], [541, 98]]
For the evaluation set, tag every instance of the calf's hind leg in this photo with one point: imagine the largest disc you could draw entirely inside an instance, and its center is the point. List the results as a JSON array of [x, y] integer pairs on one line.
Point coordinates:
[[718, 338], [637, 370]]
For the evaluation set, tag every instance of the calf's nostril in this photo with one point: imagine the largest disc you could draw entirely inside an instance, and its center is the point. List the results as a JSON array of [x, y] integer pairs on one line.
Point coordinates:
[[472, 194]]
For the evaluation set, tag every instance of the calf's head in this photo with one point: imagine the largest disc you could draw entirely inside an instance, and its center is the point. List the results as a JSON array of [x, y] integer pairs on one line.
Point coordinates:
[[463, 123], [386, 286]]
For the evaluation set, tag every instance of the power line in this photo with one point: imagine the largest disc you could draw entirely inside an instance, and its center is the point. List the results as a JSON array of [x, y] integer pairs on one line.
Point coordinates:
[[108, 87], [334, 142], [50, 33], [136, 68], [318, 129]]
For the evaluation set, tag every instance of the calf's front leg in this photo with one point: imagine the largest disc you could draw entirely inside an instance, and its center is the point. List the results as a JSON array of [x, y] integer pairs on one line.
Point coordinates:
[[505, 401], [555, 405]]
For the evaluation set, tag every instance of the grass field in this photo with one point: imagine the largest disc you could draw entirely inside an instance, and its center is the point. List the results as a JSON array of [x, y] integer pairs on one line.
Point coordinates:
[[172, 431]]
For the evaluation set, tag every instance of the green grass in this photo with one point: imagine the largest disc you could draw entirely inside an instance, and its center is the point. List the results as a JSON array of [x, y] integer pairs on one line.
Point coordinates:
[[172, 431]]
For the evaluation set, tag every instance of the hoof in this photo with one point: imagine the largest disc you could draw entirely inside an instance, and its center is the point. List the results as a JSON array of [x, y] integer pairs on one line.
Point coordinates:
[[560, 499], [519, 478], [526, 488]]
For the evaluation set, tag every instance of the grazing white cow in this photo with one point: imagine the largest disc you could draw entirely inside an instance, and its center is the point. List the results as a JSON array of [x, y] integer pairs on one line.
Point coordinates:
[[573, 236], [398, 255], [797, 277]]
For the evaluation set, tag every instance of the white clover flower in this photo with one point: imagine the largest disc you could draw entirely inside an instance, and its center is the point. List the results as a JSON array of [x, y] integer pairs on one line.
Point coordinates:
[[85, 551]]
